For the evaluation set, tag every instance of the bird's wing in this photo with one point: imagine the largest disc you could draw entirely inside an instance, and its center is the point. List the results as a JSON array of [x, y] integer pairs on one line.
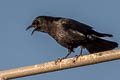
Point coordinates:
[[70, 24], [81, 28]]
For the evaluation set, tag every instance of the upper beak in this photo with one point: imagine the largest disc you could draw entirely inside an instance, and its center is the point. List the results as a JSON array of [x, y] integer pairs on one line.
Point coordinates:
[[29, 27]]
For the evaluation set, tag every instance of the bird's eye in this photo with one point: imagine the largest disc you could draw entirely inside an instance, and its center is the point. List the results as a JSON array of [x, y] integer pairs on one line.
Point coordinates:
[[37, 23]]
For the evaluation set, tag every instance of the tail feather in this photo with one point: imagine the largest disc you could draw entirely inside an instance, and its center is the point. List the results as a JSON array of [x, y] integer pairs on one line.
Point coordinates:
[[99, 45], [107, 35]]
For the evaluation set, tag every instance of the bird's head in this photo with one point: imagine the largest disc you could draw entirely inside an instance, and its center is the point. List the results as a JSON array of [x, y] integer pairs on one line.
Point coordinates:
[[39, 24]]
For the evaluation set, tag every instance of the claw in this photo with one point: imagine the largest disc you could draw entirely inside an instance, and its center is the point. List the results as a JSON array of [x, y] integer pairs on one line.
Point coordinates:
[[77, 56], [59, 60]]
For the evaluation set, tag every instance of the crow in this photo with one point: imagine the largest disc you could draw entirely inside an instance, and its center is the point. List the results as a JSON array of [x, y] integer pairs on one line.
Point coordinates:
[[70, 34]]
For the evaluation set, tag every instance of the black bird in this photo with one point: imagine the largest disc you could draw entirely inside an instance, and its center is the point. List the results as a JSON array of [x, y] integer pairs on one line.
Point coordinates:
[[70, 34]]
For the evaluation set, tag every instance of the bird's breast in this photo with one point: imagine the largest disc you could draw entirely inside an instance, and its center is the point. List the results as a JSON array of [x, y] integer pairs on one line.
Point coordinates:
[[67, 38]]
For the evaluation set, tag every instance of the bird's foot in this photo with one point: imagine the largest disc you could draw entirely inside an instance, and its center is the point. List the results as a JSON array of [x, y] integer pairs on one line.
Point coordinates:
[[59, 60], [77, 56]]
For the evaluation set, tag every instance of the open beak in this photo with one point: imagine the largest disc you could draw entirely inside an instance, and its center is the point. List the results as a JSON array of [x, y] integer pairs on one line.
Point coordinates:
[[31, 26]]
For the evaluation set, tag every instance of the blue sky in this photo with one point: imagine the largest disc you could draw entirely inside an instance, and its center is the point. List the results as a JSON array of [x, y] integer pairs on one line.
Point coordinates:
[[18, 48]]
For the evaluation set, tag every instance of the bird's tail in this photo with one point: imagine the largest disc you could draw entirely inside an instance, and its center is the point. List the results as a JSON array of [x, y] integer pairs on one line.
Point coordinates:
[[99, 45]]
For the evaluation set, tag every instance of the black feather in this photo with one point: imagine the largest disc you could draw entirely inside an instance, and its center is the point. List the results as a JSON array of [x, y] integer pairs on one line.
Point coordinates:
[[70, 34]]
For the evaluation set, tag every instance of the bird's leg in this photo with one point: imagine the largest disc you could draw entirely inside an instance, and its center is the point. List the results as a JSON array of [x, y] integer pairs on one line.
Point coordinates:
[[81, 49], [69, 52]]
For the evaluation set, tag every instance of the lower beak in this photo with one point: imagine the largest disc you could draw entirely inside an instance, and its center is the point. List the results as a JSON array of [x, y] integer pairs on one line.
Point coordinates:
[[34, 31]]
